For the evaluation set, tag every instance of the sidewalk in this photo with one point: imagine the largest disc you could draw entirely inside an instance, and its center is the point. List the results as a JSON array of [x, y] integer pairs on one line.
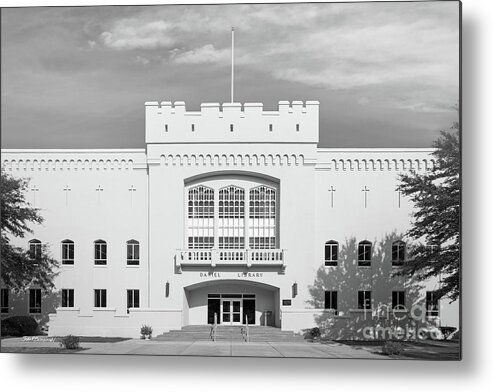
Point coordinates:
[[205, 348]]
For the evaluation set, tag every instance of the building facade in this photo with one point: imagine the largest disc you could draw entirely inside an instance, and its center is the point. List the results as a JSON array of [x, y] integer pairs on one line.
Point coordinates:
[[231, 214]]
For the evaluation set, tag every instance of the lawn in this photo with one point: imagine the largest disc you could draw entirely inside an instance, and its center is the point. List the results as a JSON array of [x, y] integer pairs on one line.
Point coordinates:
[[439, 350]]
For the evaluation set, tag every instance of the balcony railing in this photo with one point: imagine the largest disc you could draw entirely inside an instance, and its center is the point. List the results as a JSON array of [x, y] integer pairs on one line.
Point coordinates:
[[230, 257]]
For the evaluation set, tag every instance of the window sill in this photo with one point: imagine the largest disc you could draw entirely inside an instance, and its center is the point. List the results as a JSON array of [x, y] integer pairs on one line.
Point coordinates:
[[104, 309], [100, 265], [360, 310], [132, 266], [68, 265], [68, 309], [331, 265]]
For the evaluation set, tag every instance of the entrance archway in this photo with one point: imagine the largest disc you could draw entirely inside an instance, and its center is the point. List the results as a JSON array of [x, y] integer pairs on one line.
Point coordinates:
[[231, 302]]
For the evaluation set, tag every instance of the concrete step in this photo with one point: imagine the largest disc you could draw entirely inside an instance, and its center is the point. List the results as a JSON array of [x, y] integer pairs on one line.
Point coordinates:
[[230, 333]]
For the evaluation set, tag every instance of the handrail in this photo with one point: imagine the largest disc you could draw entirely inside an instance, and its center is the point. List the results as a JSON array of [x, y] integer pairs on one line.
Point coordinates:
[[214, 328], [245, 331]]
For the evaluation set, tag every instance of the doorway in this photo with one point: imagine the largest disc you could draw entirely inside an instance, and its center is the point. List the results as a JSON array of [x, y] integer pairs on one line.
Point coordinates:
[[231, 309]]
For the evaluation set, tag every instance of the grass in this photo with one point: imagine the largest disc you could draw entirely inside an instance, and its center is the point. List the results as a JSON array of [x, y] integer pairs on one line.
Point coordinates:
[[441, 350], [40, 350]]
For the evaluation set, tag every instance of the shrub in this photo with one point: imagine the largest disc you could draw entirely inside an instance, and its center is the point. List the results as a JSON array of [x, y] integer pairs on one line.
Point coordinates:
[[146, 330], [19, 326], [71, 342], [315, 333], [392, 348]]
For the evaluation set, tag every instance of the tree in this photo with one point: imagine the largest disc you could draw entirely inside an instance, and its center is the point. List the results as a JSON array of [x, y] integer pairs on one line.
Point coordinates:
[[19, 268], [436, 219]]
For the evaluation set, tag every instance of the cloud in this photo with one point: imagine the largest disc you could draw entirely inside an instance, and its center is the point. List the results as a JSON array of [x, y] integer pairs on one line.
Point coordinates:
[[142, 60], [203, 55], [128, 34]]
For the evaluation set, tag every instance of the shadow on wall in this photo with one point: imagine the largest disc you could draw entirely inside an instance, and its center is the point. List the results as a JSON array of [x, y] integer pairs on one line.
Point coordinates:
[[347, 278], [20, 306]]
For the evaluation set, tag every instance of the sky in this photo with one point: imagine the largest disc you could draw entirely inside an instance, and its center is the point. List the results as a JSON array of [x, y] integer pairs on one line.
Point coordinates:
[[386, 74]]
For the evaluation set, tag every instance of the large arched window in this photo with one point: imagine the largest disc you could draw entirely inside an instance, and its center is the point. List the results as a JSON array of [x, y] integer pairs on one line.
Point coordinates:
[[398, 252], [364, 254], [231, 218], [67, 252], [231, 213], [100, 252], [331, 253], [35, 249], [200, 217], [262, 218]]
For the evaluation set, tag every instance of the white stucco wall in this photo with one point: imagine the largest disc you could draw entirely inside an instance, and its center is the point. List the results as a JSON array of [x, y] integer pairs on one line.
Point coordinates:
[[155, 215]]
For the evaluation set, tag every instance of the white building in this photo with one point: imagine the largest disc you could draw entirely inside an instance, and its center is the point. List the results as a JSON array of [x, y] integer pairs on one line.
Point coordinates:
[[232, 211]]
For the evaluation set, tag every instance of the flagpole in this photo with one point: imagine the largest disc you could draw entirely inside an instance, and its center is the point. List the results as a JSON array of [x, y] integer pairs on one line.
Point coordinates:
[[232, 62]]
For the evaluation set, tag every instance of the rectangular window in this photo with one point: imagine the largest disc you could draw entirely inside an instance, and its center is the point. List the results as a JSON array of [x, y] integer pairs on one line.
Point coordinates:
[[297, 127], [4, 300], [331, 300], [331, 253], [133, 252], [432, 309], [398, 300], [193, 127], [67, 252], [270, 127], [165, 127], [67, 298], [100, 298], [364, 300], [100, 254], [133, 298], [231, 128], [35, 301]]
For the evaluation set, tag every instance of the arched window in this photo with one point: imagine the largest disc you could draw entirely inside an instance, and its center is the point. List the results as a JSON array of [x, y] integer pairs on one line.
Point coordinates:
[[331, 253], [262, 218], [364, 254], [200, 218], [133, 252], [100, 252], [231, 218], [67, 252], [398, 252], [35, 249]]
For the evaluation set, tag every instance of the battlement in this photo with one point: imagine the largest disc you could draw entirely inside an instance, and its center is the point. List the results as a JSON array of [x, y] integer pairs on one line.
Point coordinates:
[[295, 122]]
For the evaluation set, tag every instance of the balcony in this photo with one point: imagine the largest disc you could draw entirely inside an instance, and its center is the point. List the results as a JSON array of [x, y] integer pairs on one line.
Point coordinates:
[[231, 257]]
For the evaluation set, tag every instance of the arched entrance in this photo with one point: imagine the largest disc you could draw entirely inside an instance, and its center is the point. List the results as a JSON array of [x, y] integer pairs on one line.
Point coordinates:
[[231, 302]]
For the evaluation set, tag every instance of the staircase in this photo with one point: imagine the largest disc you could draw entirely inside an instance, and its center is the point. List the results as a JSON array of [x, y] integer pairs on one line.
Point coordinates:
[[191, 333]]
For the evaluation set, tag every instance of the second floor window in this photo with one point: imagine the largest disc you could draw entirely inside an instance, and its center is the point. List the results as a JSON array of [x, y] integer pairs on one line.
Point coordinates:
[[100, 298], [364, 300], [133, 252], [364, 254], [67, 298], [35, 249], [67, 252], [331, 253], [4, 300], [100, 252], [35, 301], [398, 252]]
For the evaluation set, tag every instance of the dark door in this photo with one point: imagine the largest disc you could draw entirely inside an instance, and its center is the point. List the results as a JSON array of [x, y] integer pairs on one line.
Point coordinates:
[[213, 306], [249, 310]]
